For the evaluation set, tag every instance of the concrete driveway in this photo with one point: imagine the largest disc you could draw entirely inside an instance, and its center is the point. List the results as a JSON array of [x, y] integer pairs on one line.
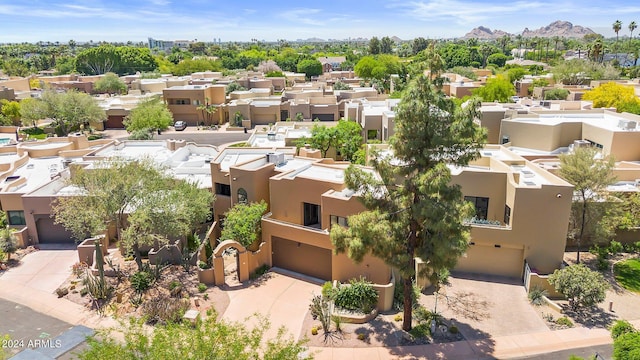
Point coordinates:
[[45, 269], [282, 299], [486, 306]]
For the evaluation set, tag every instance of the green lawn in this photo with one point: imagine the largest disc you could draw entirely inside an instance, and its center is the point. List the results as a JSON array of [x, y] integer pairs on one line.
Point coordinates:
[[628, 274]]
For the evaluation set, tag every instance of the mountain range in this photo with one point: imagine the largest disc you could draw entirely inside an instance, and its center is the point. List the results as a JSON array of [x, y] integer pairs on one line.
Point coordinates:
[[557, 28]]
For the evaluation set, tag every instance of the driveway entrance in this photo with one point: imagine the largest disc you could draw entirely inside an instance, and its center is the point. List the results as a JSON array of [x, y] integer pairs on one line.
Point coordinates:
[[282, 299]]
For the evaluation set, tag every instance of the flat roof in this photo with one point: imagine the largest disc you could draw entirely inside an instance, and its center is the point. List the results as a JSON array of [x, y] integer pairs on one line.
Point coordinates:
[[37, 172], [333, 173], [8, 158]]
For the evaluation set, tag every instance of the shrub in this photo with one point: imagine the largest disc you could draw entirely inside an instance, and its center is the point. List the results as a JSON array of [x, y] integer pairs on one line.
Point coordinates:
[[84, 291], [143, 134], [398, 295], [361, 336], [202, 287], [454, 329], [141, 281], [621, 327], [615, 248], [564, 321], [422, 315], [204, 265], [582, 286], [174, 284], [420, 331], [328, 290], [536, 295], [359, 295], [627, 346], [397, 318], [314, 330], [164, 310]]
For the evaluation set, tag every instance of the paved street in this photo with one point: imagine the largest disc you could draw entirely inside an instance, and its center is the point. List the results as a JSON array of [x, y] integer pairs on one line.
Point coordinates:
[[26, 326]]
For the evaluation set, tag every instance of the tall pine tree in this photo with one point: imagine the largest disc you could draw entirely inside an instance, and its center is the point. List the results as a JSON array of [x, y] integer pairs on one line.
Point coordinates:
[[413, 210]]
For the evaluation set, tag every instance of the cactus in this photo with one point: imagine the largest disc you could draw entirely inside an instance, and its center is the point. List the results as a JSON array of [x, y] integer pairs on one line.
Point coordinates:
[[99, 260]]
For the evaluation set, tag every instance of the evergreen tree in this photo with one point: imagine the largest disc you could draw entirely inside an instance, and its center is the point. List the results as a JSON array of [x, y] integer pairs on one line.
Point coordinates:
[[413, 210]]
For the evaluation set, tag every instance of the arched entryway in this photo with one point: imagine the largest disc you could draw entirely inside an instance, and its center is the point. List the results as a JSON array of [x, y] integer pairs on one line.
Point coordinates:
[[242, 263]]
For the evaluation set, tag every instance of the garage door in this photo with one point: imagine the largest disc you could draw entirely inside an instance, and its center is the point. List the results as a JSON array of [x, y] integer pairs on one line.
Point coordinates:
[[323, 117], [492, 260], [302, 258], [51, 233]]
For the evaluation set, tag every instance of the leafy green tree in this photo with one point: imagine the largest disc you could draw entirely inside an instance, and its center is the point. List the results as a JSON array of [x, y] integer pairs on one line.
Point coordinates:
[[121, 60], [581, 286], [8, 242], [157, 206], [419, 44], [496, 89], [110, 83], [209, 339], [15, 67], [413, 210], [345, 137], [68, 110], [242, 223], [234, 86], [151, 114], [10, 111], [166, 209], [497, 59], [611, 95], [310, 68], [590, 177], [374, 46], [515, 73], [189, 66], [556, 94], [386, 45]]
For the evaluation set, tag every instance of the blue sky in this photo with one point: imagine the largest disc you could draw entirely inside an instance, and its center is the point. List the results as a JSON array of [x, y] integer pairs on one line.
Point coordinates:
[[135, 20]]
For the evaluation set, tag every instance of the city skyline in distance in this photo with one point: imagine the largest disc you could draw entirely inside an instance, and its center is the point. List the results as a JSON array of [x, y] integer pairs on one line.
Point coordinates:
[[136, 20]]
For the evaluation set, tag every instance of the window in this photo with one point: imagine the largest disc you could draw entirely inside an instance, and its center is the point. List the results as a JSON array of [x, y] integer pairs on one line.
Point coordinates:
[[196, 102], [223, 189], [311, 215], [242, 196], [16, 218], [507, 214], [182, 102], [481, 204], [597, 145], [342, 221]]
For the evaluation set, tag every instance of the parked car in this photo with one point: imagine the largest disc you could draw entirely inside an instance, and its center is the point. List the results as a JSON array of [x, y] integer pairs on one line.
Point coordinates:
[[180, 125]]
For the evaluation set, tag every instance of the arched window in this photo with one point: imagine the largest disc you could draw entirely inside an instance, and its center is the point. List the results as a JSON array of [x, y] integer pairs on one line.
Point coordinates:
[[242, 196]]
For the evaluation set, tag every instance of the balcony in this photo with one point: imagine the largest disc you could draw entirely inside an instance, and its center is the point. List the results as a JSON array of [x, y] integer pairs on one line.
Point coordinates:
[[314, 228]]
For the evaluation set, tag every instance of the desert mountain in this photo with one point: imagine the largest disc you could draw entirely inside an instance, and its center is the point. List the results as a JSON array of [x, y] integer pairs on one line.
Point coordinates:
[[485, 33], [556, 28], [559, 28]]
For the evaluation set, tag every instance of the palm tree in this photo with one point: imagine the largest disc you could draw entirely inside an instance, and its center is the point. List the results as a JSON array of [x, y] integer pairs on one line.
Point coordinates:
[[519, 39], [617, 25], [596, 49], [632, 26], [556, 40]]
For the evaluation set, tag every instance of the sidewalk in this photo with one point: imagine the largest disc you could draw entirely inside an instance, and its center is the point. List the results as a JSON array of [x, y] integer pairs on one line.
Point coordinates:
[[51, 305], [502, 347]]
